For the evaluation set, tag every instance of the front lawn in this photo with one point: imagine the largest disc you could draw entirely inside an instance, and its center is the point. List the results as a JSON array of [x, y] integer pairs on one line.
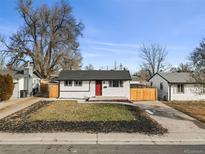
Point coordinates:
[[195, 109], [62, 116], [72, 111]]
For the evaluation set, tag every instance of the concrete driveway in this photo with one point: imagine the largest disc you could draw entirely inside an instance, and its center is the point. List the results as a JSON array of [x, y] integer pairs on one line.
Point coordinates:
[[14, 105], [174, 120]]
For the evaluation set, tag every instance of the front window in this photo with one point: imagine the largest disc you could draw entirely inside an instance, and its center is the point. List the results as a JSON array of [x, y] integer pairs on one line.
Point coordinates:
[[115, 83], [161, 86], [78, 83], [68, 83], [180, 88]]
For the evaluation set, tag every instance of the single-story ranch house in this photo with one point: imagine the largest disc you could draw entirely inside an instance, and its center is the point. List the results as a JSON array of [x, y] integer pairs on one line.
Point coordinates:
[[91, 83], [176, 86]]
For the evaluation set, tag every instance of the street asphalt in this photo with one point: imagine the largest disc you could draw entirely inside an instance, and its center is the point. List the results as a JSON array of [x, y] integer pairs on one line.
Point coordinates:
[[102, 149]]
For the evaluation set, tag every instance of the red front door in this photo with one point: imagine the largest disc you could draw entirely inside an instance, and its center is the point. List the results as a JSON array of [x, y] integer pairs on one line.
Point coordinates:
[[98, 88]]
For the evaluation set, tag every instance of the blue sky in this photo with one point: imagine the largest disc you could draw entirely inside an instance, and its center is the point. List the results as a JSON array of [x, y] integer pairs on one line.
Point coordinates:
[[114, 29]]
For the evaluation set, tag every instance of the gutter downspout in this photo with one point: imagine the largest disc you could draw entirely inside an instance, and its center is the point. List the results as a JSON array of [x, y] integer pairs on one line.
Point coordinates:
[[169, 92]]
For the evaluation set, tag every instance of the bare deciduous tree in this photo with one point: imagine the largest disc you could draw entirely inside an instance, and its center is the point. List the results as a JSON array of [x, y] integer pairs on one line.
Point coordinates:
[[198, 62], [143, 75], [153, 57], [119, 66], [48, 38], [2, 63], [89, 67], [181, 68]]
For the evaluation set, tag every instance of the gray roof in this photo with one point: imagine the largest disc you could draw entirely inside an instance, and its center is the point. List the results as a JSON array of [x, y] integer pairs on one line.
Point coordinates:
[[94, 75], [37, 75], [135, 78], [178, 77]]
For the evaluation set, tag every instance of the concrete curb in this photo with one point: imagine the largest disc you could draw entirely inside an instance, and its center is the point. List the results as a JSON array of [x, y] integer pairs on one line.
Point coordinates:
[[46, 142], [104, 139]]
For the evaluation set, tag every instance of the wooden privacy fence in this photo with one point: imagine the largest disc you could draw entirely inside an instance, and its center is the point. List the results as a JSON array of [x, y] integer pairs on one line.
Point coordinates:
[[143, 94], [44, 87], [53, 90]]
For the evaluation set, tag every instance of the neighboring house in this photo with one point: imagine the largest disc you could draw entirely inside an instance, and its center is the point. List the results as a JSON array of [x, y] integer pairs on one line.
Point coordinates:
[[36, 83], [135, 80], [91, 83], [26, 81], [136, 83], [176, 86]]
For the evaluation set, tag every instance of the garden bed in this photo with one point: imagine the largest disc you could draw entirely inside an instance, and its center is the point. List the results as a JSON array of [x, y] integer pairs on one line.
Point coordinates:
[[68, 116]]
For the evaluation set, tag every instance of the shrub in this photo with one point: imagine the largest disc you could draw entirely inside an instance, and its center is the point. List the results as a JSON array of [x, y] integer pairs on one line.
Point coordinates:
[[6, 87]]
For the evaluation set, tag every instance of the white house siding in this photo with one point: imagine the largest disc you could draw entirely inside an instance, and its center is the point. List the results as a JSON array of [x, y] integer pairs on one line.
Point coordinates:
[[36, 83], [18, 85], [86, 90], [156, 80], [15, 93], [135, 82], [189, 93], [116, 91], [21, 84]]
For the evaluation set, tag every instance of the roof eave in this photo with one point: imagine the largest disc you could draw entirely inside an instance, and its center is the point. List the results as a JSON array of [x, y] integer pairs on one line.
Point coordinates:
[[186, 83], [92, 79]]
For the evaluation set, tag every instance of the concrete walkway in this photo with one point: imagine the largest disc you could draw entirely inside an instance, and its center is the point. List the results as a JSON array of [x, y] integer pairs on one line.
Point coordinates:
[[14, 105]]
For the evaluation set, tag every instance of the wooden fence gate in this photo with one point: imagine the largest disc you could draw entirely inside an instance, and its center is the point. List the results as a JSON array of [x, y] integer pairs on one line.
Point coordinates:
[[143, 94], [53, 90]]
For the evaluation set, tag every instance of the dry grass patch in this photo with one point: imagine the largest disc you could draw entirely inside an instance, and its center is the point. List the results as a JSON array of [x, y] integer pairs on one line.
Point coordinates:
[[72, 111], [195, 109]]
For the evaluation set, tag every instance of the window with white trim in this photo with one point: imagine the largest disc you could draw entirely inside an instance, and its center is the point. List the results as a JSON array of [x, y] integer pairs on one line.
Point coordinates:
[[68, 83], [180, 88], [77, 83], [115, 83]]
